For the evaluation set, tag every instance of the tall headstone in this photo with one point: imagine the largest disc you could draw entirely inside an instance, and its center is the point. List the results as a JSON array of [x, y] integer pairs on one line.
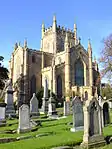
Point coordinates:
[[78, 116], [110, 103], [44, 108], [104, 111], [2, 114], [93, 133], [52, 113], [34, 110], [24, 119], [9, 100], [106, 115], [66, 108]]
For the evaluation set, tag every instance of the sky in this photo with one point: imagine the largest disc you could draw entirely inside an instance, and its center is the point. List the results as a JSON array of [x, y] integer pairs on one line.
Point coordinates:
[[22, 19]]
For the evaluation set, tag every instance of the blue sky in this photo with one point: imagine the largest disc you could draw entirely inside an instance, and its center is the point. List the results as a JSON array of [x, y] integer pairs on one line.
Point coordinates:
[[20, 19]]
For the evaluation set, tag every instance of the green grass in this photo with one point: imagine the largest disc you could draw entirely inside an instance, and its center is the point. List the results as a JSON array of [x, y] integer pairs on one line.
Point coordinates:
[[60, 136]]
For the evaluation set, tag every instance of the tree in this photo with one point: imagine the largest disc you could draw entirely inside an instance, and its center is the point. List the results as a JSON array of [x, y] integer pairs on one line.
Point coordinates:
[[106, 58], [107, 91], [3, 73]]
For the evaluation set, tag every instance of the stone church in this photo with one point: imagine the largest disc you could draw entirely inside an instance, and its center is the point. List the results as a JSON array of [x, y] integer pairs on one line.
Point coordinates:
[[62, 59]]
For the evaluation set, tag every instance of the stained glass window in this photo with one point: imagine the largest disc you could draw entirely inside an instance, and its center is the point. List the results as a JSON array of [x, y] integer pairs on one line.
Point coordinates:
[[79, 73]]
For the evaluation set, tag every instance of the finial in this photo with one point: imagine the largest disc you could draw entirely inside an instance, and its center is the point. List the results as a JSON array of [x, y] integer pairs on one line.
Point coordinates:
[[54, 18], [75, 26], [79, 40], [66, 38], [89, 43], [54, 26], [43, 26], [15, 46], [25, 43], [19, 43]]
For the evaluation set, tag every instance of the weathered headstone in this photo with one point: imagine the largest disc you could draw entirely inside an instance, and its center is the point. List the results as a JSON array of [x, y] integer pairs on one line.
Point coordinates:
[[66, 108], [24, 119], [93, 134], [44, 108], [78, 116], [2, 114], [34, 110], [104, 111], [110, 103], [52, 113], [9, 100], [106, 115]]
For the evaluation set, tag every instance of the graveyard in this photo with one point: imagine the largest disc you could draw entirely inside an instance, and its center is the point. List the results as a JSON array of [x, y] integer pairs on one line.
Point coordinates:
[[78, 124], [55, 133], [51, 133]]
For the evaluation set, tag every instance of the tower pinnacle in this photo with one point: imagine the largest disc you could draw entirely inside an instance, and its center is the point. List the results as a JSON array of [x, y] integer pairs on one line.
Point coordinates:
[[25, 43], [75, 33], [54, 23], [43, 29]]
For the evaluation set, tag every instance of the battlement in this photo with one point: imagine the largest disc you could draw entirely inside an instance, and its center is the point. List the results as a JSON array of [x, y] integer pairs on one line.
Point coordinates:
[[62, 30], [49, 29]]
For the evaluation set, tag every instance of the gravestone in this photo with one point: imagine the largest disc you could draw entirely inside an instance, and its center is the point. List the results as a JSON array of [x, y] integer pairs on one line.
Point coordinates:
[[66, 108], [106, 116], [52, 113], [34, 110], [2, 114], [44, 108], [9, 100], [93, 133], [78, 117], [110, 103], [24, 119], [104, 111]]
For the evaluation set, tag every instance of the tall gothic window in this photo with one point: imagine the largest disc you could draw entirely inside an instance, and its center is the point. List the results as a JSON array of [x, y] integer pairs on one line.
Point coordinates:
[[59, 86], [79, 73], [32, 85]]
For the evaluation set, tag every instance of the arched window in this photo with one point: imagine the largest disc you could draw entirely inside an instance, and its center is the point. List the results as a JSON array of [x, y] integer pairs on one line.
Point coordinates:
[[59, 86], [79, 73], [32, 85]]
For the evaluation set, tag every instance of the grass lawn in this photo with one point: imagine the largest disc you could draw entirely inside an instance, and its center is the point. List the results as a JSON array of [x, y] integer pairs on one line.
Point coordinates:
[[60, 135]]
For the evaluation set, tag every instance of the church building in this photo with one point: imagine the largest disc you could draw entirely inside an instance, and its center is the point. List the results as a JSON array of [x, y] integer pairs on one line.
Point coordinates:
[[62, 59]]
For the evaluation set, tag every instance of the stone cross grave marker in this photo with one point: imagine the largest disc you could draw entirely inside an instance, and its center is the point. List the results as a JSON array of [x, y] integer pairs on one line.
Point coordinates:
[[24, 119], [9, 100], [78, 117]]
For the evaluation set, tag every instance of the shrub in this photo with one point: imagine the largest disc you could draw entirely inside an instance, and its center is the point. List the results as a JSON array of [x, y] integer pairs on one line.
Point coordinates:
[[39, 96]]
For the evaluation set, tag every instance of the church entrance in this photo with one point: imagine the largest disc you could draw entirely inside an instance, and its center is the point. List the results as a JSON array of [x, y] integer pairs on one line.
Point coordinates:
[[59, 86]]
